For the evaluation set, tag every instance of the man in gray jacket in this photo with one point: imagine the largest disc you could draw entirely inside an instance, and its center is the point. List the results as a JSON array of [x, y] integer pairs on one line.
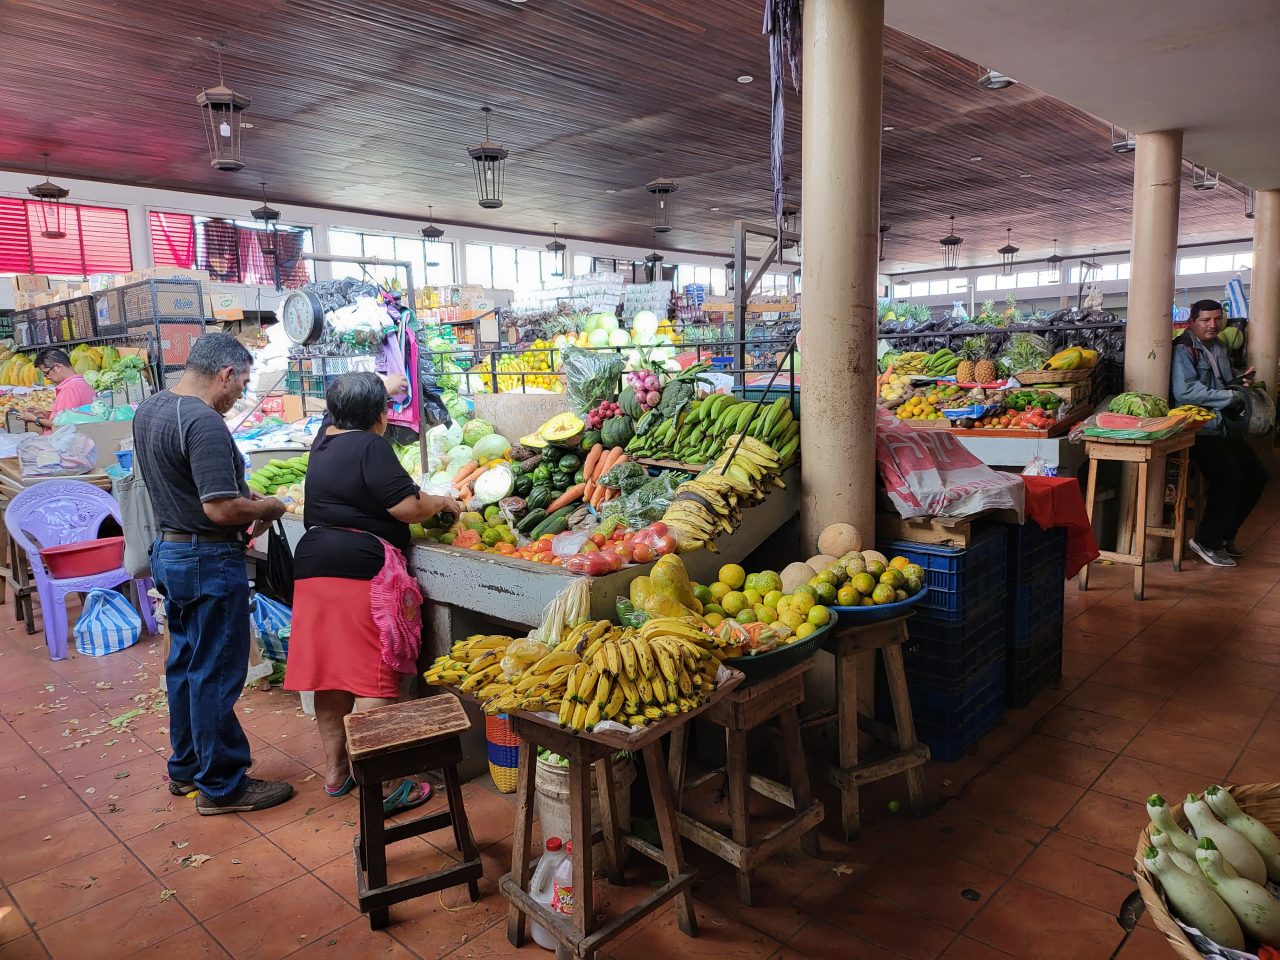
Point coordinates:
[[1235, 477]]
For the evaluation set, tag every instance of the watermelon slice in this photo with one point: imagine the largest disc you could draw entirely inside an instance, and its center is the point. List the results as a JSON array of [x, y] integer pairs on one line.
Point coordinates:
[[1117, 421]]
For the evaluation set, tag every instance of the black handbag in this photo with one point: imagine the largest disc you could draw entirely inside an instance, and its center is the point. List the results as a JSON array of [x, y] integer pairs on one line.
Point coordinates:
[[278, 581]]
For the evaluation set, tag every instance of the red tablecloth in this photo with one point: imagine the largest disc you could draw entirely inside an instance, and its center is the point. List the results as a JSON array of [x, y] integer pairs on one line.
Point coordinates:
[[1057, 502]]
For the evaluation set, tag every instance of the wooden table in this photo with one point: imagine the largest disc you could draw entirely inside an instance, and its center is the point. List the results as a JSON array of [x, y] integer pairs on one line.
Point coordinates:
[[1141, 453], [580, 932]]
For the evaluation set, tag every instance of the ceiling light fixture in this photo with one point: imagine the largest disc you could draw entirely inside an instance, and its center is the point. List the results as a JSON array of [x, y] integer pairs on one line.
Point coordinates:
[[557, 247], [661, 188], [790, 224], [994, 80], [268, 216], [1024, 176], [951, 248], [1202, 178], [611, 191], [975, 158], [888, 127], [50, 196], [1122, 141], [1055, 258], [715, 208], [223, 110], [1007, 252], [431, 231], [884, 228], [490, 161], [745, 78], [1248, 204]]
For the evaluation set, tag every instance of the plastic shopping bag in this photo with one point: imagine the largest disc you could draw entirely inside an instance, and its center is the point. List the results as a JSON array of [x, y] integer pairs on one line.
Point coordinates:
[[271, 621], [64, 452], [107, 624]]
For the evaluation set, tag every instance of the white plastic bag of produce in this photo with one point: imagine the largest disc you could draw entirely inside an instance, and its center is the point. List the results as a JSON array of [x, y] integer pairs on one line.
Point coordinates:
[[62, 453], [929, 473]]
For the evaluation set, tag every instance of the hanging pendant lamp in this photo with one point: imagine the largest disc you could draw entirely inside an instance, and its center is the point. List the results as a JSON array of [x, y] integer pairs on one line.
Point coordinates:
[[884, 228], [557, 247], [1007, 252], [269, 217], [661, 189], [431, 231], [490, 161], [49, 197], [951, 248], [223, 115]]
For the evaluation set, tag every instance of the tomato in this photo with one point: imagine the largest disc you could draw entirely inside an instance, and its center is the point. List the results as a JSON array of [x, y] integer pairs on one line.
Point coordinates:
[[658, 528], [624, 550], [665, 545], [641, 553], [597, 539], [589, 547]]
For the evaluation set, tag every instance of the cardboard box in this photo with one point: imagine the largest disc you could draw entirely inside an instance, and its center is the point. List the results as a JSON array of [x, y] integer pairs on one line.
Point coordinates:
[[172, 273], [224, 305], [291, 408], [29, 282]]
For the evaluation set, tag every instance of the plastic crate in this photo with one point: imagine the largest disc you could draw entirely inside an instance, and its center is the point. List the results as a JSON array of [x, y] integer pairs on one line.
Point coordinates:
[[159, 299], [1032, 669], [1034, 552], [176, 338], [1032, 604], [109, 307], [951, 724], [954, 577], [943, 655]]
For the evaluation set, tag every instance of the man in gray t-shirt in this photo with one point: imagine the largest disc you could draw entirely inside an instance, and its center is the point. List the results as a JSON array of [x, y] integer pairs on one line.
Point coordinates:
[[204, 510]]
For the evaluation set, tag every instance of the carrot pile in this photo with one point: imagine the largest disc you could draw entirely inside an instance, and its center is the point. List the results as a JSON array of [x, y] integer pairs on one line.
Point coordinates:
[[599, 462]]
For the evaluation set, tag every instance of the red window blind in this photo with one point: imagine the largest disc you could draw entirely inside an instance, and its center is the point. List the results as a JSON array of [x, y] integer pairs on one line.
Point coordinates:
[[173, 240], [97, 240]]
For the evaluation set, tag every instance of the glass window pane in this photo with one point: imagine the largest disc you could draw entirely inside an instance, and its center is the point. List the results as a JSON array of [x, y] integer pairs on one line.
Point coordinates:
[[901, 290], [702, 275], [1108, 271], [985, 282], [937, 288], [1191, 265], [1244, 261], [1047, 278], [1218, 263], [797, 283], [581, 264], [1006, 283], [505, 276], [1075, 275], [410, 248], [440, 253], [958, 285], [345, 243], [718, 282], [480, 264], [1122, 271], [920, 288], [1028, 279]]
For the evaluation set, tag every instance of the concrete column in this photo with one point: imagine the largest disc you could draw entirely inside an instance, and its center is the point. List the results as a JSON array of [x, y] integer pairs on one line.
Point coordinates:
[[1157, 176], [1264, 289], [843, 70], [1157, 179]]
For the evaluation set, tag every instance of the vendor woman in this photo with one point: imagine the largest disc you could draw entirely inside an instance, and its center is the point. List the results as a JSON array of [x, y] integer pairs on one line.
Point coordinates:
[[353, 634], [69, 388]]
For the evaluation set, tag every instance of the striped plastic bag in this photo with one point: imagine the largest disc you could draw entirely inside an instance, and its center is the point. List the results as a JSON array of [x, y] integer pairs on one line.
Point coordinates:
[[107, 624], [270, 620]]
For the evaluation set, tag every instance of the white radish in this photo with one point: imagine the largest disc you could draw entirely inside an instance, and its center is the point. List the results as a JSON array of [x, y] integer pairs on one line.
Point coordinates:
[[1194, 900], [1164, 842], [1255, 908], [1264, 841], [1159, 813], [1233, 846]]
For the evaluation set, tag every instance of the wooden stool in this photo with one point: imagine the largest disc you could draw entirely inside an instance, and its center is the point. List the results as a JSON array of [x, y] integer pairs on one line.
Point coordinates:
[[581, 933], [400, 740], [1135, 518], [909, 755], [740, 712]]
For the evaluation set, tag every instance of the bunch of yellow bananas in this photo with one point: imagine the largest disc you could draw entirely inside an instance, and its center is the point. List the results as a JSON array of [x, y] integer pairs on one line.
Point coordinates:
[[712, 501], [599, 671], [1193, 412], [910, 362], [1072, 358]]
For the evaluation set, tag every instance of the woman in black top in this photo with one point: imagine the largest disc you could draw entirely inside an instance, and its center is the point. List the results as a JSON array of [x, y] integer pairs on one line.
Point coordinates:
[[359, 500]]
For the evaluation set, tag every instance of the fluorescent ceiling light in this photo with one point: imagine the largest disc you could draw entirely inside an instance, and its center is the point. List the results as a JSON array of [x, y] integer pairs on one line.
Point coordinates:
[[745, 78]]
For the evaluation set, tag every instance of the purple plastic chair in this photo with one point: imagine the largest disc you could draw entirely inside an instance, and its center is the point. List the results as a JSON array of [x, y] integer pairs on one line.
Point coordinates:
[[54, 513]]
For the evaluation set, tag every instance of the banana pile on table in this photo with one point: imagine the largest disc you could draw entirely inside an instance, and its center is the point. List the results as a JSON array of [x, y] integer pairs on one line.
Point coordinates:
[[910, 361], [711, 503], [599, 671]]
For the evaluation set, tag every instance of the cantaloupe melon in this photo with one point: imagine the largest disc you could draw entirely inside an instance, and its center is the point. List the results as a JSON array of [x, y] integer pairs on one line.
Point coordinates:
[[869, 555], [795, 575], [820, 562], [839, 539]]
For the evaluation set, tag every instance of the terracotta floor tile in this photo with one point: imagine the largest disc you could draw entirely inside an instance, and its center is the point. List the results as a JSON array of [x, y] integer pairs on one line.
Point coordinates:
[[1115, 860], [1106, 820], [1253, 766], [1208, 758], [300, 911], [232, 876], [147, 811], [938, 887], [406, 859], [1076, 879], [1063, 760], [1089, 728], [947, 831], [435, 925], [137, 921], [1145, 944], [193, 943], [1131, 779], [1007, 792], [78, 885], [26, 805], [25, 948], [884, 924], [356, 940], [1094, 640], [13, 925], [771, 912], [1027, 921], [1229, 673], [1229, 727], [966, 948], [1114, 701], [1225, 694], [820, 939], [316, 839], [68, 840], [491, 815], [719, 937], [1151, 680]]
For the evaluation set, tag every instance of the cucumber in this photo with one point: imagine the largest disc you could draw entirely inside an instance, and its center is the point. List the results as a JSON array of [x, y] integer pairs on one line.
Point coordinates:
[[557, 522], [531, 520]]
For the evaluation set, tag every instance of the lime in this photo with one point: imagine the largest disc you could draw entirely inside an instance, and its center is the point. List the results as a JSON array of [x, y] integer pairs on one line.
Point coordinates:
[[819, 616], [804, 630], [801, 603], [846, 596], [827, 576], [715, 619], [913, 570], [733, 603], [753, 595], [804, 588], [913, 586], [855, 567], [746, 615], [771, 598], [750, 582], [713, 608], [792, 620], [864, 583], [766, 613], [733, 575], [718, 590], [899, 563], [783, 605], [875, 568], [703, 594], [895, 806], [826, 593], [900, 594], [768, 581], [883, 593], [892, 577], [868, 602]]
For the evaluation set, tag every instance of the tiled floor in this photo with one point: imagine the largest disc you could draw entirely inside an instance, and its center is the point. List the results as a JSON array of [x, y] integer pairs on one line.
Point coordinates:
[[1026, 855]]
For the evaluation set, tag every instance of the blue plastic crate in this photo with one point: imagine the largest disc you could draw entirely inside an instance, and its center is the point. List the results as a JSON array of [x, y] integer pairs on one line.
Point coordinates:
[[956, 578], [1032, 669], [951, 742], [952, 723], [1032, 604], [944, 655], [1034, 552]]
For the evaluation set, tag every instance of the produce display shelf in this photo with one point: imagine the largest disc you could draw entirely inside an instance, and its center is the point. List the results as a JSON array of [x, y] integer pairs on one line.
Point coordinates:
[[1057, 430]]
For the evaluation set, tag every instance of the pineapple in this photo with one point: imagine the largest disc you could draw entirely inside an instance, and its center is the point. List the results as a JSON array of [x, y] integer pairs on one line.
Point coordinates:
[[972, 350], [1011, 312], [985, 370], [987, 314]]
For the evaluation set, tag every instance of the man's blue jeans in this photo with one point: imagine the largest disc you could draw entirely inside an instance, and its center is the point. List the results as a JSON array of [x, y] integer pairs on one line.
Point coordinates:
[[206, 591]]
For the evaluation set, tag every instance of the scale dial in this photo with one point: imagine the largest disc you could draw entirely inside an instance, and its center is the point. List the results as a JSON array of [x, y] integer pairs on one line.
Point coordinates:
[[302, 316]]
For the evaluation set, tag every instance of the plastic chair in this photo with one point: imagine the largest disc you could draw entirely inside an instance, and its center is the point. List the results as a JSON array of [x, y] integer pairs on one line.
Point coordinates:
[[58, 512]]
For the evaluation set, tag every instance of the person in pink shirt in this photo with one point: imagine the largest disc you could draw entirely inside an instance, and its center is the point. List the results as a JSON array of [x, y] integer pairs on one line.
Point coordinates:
[[70, 389]]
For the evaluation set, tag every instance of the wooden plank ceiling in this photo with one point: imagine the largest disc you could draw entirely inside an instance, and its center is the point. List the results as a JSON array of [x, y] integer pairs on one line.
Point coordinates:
[[369, 105]]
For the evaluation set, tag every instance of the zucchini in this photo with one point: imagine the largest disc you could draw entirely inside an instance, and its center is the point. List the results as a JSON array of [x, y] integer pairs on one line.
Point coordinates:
[[531, 520], [557, 522]]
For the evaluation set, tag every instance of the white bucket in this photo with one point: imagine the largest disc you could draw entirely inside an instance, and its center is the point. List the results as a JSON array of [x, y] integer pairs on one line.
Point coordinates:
[[551, 804]]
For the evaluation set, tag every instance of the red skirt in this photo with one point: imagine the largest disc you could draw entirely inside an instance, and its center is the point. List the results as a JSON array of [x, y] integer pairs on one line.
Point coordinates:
[[334, 644]]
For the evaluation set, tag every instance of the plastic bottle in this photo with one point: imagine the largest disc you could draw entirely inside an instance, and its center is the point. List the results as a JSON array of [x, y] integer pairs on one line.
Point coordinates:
[[542, 886], [562, 898]]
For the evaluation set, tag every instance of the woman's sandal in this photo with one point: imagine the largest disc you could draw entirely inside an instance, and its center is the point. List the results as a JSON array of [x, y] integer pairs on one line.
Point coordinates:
[[398, 800], [347, 786]]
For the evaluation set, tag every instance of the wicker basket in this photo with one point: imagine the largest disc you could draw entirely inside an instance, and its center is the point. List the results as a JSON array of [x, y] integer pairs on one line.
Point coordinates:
[[1031, 378], [1260, 800], [504, 752]]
